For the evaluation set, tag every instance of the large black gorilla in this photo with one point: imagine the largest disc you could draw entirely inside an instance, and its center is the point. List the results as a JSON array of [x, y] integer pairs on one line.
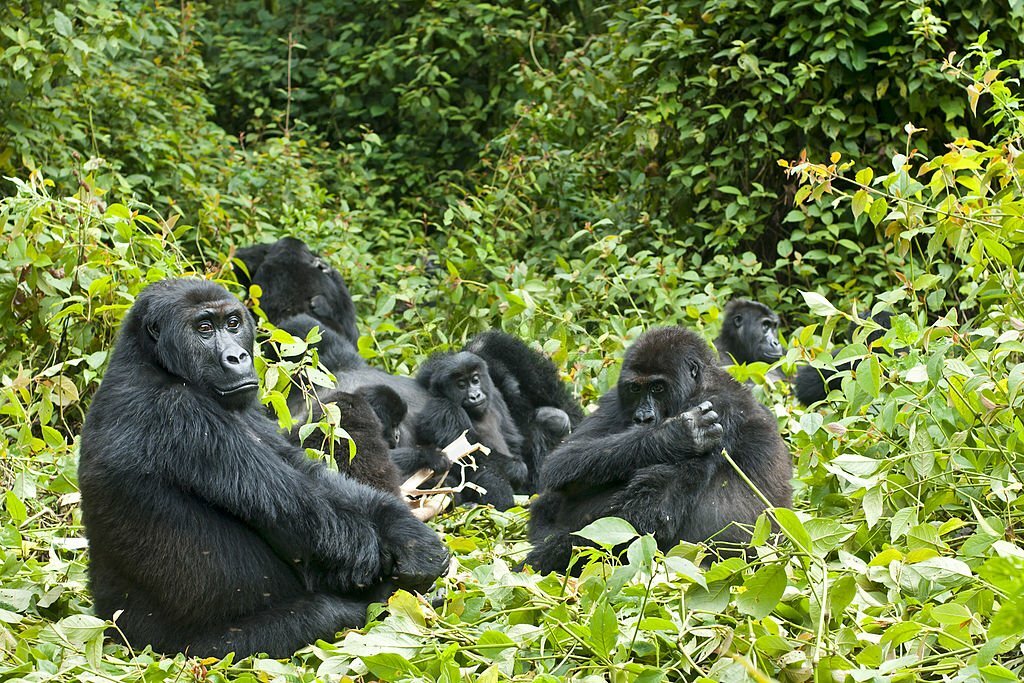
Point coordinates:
[[296, 281], [814, 384], [463, 399], [651, 454], [542, 406], [750, 334], [206, 526]]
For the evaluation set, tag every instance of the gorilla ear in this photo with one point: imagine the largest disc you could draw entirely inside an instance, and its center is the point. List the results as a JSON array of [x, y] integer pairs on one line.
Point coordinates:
[[737, 321], [154, 331], [694, 369]]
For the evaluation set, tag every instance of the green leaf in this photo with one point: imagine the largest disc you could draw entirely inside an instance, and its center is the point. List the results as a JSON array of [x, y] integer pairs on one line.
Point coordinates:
[[819, 305], [794, 529], [388, 666], [879, 210], [763, 591], [604, 630], [861, 201], [15, 508], [491, 643], [62, 23], [951, 613], [811, 423], [608, 532], [80, 628]]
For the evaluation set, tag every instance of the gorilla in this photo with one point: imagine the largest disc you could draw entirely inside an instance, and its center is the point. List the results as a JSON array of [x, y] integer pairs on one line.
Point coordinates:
[[750, 333], [389, 408], [540, 404], [208, 531], [396, 400], [814, 384], [372, 463], [652, 454], [463, 399], [296, 281]]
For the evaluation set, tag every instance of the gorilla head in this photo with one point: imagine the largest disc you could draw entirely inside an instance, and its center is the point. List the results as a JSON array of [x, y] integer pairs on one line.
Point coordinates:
[[389, 408], [660, 374], [463, 380], [294, 281], [750, 333], [199, 335]]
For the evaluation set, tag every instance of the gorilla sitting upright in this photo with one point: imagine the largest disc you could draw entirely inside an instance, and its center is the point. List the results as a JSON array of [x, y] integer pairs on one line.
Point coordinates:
[[652, 454], [208, 531]]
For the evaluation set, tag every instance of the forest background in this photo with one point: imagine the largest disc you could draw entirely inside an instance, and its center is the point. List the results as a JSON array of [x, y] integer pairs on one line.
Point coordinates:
[[574, 173]]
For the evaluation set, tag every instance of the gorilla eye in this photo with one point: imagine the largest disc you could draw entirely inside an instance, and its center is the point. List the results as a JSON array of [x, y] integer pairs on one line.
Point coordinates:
[[634, 388], [657, 388], [234, 322], [204, 327], [461, 384], [767, 325]]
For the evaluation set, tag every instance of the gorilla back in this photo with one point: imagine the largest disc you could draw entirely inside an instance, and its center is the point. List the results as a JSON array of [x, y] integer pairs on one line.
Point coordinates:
[[206, 527]]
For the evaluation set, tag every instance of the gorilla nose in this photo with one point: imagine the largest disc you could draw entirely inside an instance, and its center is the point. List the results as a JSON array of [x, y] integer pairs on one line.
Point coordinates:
[[235, 359], [643, 419]]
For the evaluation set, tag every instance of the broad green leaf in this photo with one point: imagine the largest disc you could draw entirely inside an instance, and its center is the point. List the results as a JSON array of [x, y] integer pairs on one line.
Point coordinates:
[[763, 591], [819, 305], [608, 532], [389, 666], [794, 529], [604, 630]]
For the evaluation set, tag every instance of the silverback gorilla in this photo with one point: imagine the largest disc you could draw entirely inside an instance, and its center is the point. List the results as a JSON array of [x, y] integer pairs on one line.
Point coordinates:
[[206, 527], [651, 454]]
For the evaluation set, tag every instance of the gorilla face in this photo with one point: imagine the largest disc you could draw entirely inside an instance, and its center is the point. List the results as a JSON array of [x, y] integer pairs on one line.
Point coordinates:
[[751, 332], [208, 343], [659, 377], [465, 382]]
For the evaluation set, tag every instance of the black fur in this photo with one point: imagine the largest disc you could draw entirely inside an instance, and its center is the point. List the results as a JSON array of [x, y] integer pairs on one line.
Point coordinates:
[[390, 396], [463, 399], [651, 454], [814, 384], [206, 526], [294, 280], [372, 463], [541, 405], [750, 333], [389, 408]]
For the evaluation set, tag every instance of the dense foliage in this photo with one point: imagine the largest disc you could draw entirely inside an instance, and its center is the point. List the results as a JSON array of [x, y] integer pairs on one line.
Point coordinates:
[[572, 174]]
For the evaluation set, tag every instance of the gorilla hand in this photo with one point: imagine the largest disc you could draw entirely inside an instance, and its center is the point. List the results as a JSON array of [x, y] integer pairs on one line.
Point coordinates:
[[415, 554], [703, 427], [553, 421]]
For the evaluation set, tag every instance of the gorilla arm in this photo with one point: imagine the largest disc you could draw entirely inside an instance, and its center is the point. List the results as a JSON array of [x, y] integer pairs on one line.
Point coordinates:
[[328, 527], [591, 457]]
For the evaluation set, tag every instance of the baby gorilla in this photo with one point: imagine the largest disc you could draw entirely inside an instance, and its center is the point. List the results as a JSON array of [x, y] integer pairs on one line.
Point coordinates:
[[208, 531], [389, 408], [652, 454], [463, 399], [372, 463]]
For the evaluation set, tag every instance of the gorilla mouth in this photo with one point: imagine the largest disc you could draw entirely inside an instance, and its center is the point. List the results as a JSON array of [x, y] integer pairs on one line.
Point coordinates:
[[773, 355], [247, 385]]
